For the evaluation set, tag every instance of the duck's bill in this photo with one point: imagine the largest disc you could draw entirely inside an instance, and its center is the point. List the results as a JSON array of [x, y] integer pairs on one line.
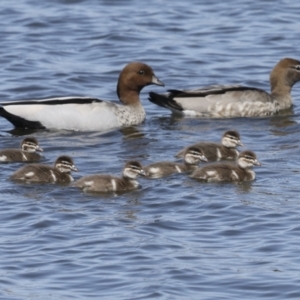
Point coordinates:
[[142, 173], [156, 81], [257, 163], [73, 168], [203, 158]]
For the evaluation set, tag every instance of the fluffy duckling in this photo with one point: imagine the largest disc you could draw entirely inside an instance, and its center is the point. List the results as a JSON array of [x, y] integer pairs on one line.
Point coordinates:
[[27, 153], [104, 183], [214, 152], [40, 173], [192, 156], [86, 113], [235, 101], [228, 172]]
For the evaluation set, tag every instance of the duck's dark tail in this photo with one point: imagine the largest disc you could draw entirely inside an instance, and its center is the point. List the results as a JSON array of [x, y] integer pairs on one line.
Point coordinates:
[[166, 101], [18, 121]]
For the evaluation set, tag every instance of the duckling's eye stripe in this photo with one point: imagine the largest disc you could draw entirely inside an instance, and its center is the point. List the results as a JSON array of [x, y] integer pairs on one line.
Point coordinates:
[[195, 153], [297, 67], [135, 168]]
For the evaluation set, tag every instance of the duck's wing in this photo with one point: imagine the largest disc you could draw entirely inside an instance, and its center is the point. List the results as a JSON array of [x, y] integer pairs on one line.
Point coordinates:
[[34, 173], [213, 101], [11, 155], [60, 112], [95, 183], [54, 101], [213, 172]]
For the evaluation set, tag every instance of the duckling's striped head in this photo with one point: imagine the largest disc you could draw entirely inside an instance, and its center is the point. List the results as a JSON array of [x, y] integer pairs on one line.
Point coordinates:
[[132, 169], [65, 164], [193, 155], [30, 144], [247, 159], [231, 139]]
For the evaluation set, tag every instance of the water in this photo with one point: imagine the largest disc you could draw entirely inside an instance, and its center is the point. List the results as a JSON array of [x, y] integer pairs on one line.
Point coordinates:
[[174, 238]]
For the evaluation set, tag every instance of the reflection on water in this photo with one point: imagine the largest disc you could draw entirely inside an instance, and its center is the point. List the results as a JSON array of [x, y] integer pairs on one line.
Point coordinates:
[[282, 123], [244, 187], [131, 133]]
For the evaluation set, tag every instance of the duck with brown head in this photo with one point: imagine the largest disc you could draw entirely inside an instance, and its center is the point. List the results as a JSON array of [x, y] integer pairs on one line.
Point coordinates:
[[86, 113], [235, 101]]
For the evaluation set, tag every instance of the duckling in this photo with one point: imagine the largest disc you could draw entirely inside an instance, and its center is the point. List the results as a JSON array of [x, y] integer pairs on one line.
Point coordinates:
[[27, 153], [192, 156], [86, 113], [40, 173], [214, 152], [228, 172], [104, 183], [222, 101]]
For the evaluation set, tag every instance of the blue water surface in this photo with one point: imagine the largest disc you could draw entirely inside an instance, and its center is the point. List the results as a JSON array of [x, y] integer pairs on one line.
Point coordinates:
[[174, 238]]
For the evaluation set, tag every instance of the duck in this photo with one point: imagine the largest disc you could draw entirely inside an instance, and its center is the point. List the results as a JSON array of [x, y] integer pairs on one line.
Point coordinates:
[[228, 172], [86, 113], [105, 183], [192, 156], [215, 152], [221, 101], [41, 173], [26, 153]]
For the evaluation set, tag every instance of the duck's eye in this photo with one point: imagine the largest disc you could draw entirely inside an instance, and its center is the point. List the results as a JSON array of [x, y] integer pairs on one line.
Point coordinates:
[[142, 72], [297, 67]]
